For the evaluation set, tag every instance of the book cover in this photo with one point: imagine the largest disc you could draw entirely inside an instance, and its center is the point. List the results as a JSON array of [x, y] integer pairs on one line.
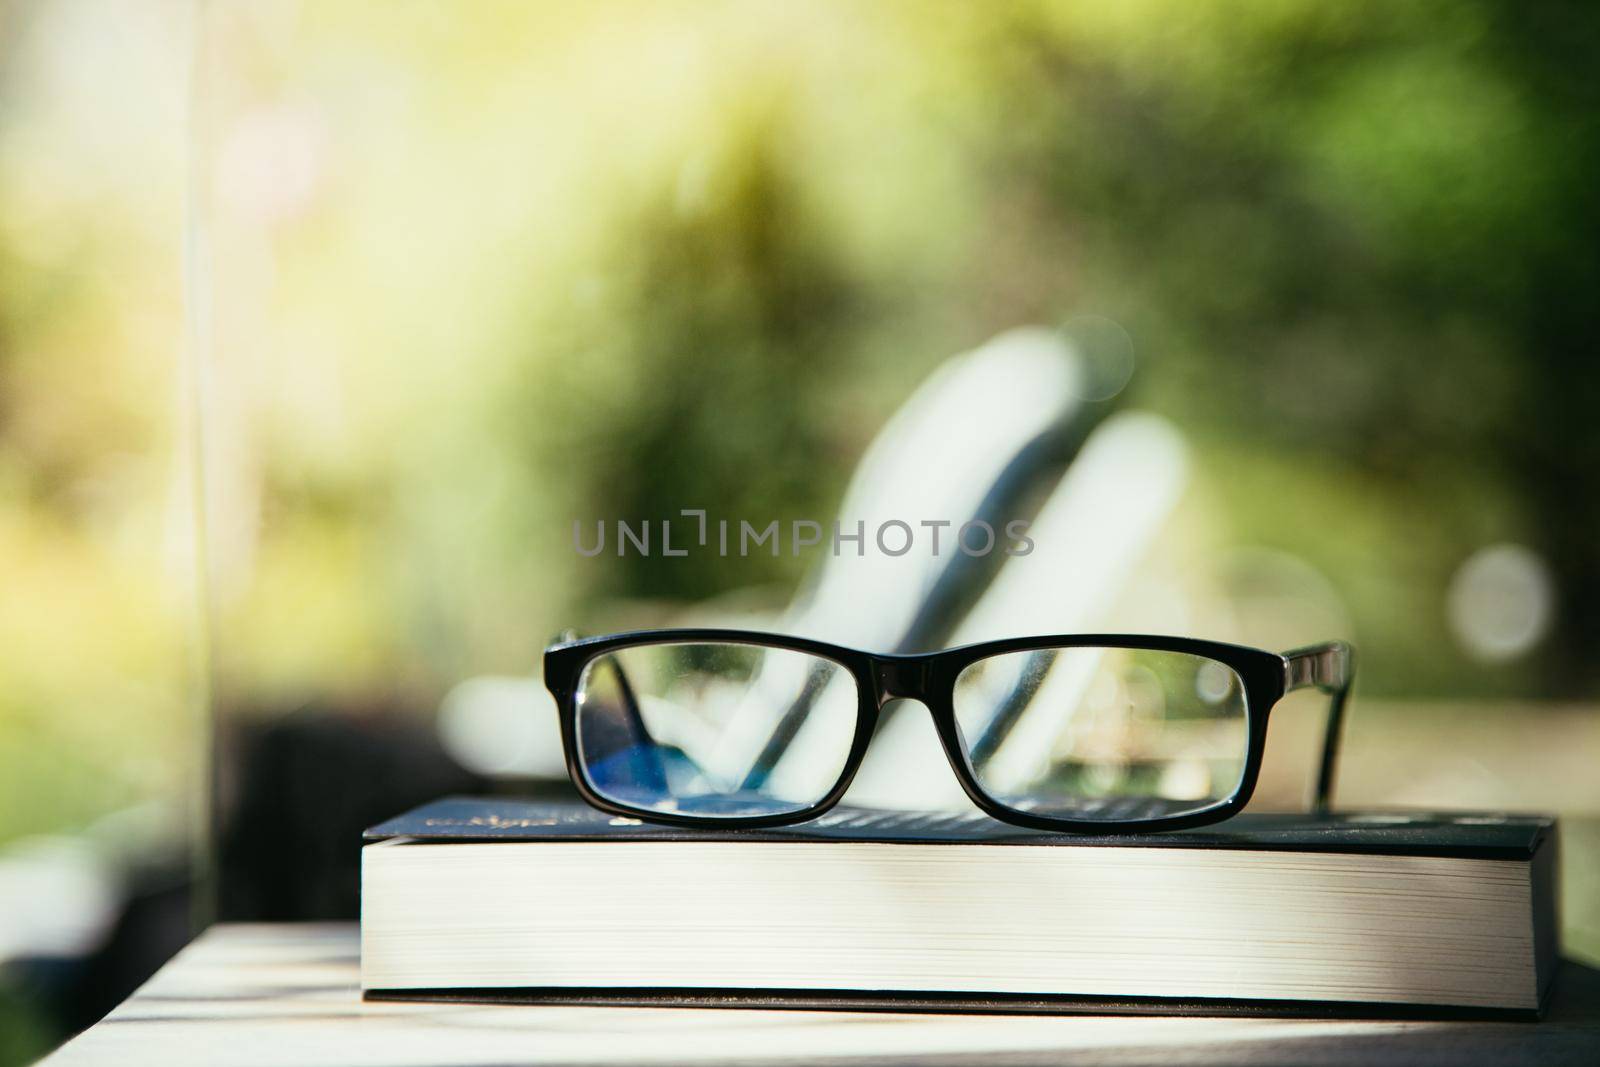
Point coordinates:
[[1476, 835]]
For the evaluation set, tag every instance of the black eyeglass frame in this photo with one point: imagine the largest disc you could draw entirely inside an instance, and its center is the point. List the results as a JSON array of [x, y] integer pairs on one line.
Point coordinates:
[[930, 678]]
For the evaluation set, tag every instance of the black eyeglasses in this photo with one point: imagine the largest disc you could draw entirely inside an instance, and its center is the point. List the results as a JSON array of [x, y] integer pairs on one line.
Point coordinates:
[[1105, 733]]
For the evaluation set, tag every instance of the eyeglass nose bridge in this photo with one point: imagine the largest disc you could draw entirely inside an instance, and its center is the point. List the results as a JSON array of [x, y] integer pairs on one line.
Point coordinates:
[[900, 677]]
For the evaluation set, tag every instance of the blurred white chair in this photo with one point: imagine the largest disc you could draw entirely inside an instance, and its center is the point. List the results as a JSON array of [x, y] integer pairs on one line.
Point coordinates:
[[976, 431], [970, 443], [1089, 537]]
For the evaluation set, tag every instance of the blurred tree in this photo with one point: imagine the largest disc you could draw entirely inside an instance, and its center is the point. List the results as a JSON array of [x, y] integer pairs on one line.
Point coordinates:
[[699, 375], [1358, 235], [1549, 52]]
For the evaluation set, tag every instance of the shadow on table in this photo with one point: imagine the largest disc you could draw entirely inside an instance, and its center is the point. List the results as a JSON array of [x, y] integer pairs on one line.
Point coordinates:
[[1568, 1034]]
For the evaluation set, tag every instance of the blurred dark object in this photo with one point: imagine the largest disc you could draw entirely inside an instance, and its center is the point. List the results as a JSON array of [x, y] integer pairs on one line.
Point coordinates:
[[46, 1000], [307, 786]]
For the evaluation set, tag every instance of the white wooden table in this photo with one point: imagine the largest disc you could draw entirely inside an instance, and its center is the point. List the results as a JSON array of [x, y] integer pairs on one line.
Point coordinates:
[[289, 995]]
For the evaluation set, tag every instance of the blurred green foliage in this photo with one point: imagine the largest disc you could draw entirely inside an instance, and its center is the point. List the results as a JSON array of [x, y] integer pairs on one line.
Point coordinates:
[[23, 1037], [723, 330], [470, 273]]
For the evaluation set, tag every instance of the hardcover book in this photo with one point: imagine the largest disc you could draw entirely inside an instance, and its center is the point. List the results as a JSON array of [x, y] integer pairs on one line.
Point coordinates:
[[1352, 913]]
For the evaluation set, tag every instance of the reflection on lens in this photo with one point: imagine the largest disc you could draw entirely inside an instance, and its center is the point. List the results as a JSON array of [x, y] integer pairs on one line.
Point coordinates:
[[1103, 734], [716, 730]]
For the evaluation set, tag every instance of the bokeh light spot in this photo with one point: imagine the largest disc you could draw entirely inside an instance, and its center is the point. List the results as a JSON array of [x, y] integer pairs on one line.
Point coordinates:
[[1106, 351], [1500, 602]]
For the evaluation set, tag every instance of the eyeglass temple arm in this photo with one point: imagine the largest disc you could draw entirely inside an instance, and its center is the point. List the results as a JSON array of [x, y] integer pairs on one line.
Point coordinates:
[[1328, 668]]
